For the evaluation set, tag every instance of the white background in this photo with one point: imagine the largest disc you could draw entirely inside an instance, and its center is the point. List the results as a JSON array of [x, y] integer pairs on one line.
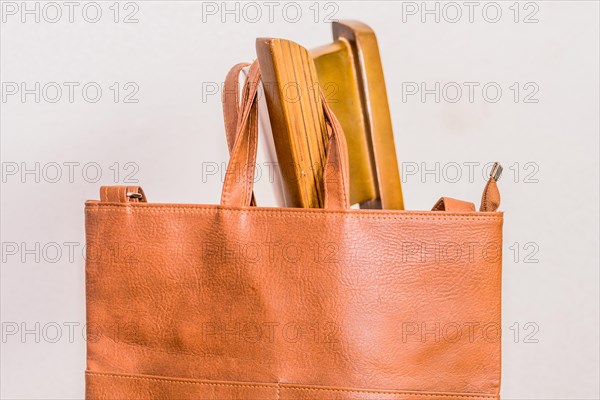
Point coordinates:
[[175, 51]]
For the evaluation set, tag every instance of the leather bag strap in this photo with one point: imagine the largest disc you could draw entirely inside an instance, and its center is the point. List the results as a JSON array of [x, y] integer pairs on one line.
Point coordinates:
[[490, 199], [231, 102], [238, 192], [231, 107], [453, 205]]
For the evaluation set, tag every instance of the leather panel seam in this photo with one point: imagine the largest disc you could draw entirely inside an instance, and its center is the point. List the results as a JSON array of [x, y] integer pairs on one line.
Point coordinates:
[[456, 217], [288, 386]]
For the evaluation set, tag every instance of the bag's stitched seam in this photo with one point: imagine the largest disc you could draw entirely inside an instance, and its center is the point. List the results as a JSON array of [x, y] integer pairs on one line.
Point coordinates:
[[191, 210], [249, 160], [175, 380], [484, 198], [340, 160], [477, 396], [277, 386], [374, 217]]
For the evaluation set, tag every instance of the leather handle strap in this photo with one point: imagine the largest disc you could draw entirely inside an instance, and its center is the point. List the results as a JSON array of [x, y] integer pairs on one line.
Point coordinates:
[[453, 205], [231, 102], [490, 199], [238, 192], [232, 108], [240, 170]]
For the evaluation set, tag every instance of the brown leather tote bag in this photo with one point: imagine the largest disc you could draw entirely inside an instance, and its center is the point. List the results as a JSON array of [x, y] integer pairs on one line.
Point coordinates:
[[232, 301]]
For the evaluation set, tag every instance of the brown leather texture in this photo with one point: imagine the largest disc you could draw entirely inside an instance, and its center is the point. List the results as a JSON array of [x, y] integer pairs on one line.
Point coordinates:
[[232, 301]]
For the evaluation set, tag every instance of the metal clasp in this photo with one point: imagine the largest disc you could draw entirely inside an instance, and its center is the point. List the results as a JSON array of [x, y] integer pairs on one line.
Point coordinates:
[[133, 195], [496, 171]]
